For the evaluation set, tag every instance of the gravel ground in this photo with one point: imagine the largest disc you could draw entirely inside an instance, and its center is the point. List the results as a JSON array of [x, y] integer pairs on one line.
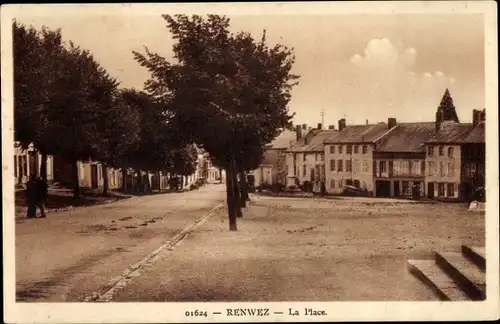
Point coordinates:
[[342, 249], [70, 254]]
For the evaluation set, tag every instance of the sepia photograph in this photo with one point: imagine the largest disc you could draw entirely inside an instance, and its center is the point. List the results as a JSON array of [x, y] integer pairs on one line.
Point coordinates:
[[250, 162]]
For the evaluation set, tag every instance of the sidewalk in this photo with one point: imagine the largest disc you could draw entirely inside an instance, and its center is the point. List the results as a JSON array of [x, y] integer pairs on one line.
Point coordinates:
[[70, 254], [306, 250]]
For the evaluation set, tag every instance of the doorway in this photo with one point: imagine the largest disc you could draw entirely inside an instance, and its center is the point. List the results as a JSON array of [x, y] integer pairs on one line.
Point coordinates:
[[93, 176], [430, 189]]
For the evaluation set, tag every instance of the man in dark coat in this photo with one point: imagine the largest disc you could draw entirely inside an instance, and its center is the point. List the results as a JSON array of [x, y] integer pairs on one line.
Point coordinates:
[[31, 196], [42, 195]]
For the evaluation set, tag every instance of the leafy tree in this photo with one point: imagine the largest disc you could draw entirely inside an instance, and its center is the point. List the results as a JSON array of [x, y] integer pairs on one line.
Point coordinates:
[[448, 108], [224, 89], [33, 53]]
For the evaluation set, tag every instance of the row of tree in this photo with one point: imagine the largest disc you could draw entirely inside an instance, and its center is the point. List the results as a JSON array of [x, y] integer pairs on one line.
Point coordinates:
[[226, 93], [66, 104], [229, 91]]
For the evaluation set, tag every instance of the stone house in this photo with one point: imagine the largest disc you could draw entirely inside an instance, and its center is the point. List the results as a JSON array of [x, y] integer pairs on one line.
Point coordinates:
[[443, 159], [28, 162], [473, 157], [349, 156], [306, 159], [400, 160], [273, 169]]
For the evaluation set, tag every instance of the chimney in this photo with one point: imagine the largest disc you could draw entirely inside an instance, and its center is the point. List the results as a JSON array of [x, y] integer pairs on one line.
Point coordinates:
[[476, 117], [298, 132], [320, 126], [341, 124], [391, 122], [483, 115], [331, 127], [304, 126], [439, 119], [367, 122]]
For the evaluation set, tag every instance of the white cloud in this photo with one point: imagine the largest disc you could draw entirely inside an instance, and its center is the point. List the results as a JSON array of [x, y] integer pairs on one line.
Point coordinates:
[[386, 75]]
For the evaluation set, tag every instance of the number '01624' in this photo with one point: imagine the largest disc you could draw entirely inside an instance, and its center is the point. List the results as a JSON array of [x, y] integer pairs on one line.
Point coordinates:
[[196, 313]]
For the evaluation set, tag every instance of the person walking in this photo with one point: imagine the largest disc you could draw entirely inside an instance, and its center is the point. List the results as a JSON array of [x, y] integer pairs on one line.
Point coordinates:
[[42, 195], [31, 196]]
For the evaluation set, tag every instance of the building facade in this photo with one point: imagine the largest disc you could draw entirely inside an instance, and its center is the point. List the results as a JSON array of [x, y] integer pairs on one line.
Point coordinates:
[[399, 160], [349, 156], [28, 162]]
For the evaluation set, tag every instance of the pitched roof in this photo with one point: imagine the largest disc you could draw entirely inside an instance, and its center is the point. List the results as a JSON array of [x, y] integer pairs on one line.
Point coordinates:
[[284, 140], [477, 135], [451, 132], [316, 143], [407, 137], [359, 134]]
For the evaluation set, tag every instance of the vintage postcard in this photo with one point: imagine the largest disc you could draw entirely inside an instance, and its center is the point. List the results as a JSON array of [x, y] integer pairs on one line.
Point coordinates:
[[250, 162]]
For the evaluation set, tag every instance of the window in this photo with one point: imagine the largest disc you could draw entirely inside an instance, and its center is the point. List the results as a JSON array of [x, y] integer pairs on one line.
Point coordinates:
[[304, 170], [340, 166], [332, 149], [349, 149], [340, 149], [365, 149], [405, 167], [430, 168], [357, 184], [430, 151], [332, 165], [416, 168], [322, 157], [15, 166], [451, 169], [332, 184], [356, 166], [356, 149], [450, 190], [348, 165], [441, 192], [441, 169], [450, 151], [406, 188], [304, 157], [382, 166], [365, 167], [470, 169], [340, 183], [441, 150]]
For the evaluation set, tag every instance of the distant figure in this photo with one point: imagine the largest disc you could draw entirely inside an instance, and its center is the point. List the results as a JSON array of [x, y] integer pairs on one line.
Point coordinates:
[[42, 195], [31, 196]]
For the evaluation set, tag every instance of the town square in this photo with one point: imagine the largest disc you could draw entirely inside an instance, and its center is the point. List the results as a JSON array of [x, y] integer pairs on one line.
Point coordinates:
[[249, 158]]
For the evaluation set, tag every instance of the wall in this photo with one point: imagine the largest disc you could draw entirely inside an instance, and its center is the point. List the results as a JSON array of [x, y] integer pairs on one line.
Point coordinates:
[[433, 170], [23, 167], [336, 180], [312, 161]]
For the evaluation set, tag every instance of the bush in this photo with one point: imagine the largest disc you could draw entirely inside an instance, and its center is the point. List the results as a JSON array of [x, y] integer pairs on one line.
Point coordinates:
[[193, 186]]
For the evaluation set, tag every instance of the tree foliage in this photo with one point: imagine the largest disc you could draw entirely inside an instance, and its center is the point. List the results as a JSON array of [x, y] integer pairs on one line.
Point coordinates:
[[229, 91]]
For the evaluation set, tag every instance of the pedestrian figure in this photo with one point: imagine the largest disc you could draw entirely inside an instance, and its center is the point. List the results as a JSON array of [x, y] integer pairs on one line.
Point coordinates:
[[42, 195], [31, 196]]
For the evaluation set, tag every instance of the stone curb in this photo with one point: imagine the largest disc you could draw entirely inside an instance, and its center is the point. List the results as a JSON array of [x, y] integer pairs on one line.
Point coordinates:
[[118, 283]]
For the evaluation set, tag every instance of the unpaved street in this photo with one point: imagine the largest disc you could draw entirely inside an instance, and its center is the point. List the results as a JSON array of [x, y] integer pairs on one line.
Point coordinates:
[[343, 249], [71, 254]]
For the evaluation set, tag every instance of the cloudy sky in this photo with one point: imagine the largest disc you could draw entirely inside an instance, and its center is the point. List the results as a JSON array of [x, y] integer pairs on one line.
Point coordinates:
[[356, 67]]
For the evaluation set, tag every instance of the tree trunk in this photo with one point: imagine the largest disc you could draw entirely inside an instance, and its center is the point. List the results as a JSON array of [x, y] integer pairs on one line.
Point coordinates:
[[244, 186], [139, 181], [124, 180], [43, 167], [236, 188], [147, 185], [105, 180], [76, 182], [230, 202], [220, 175]]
